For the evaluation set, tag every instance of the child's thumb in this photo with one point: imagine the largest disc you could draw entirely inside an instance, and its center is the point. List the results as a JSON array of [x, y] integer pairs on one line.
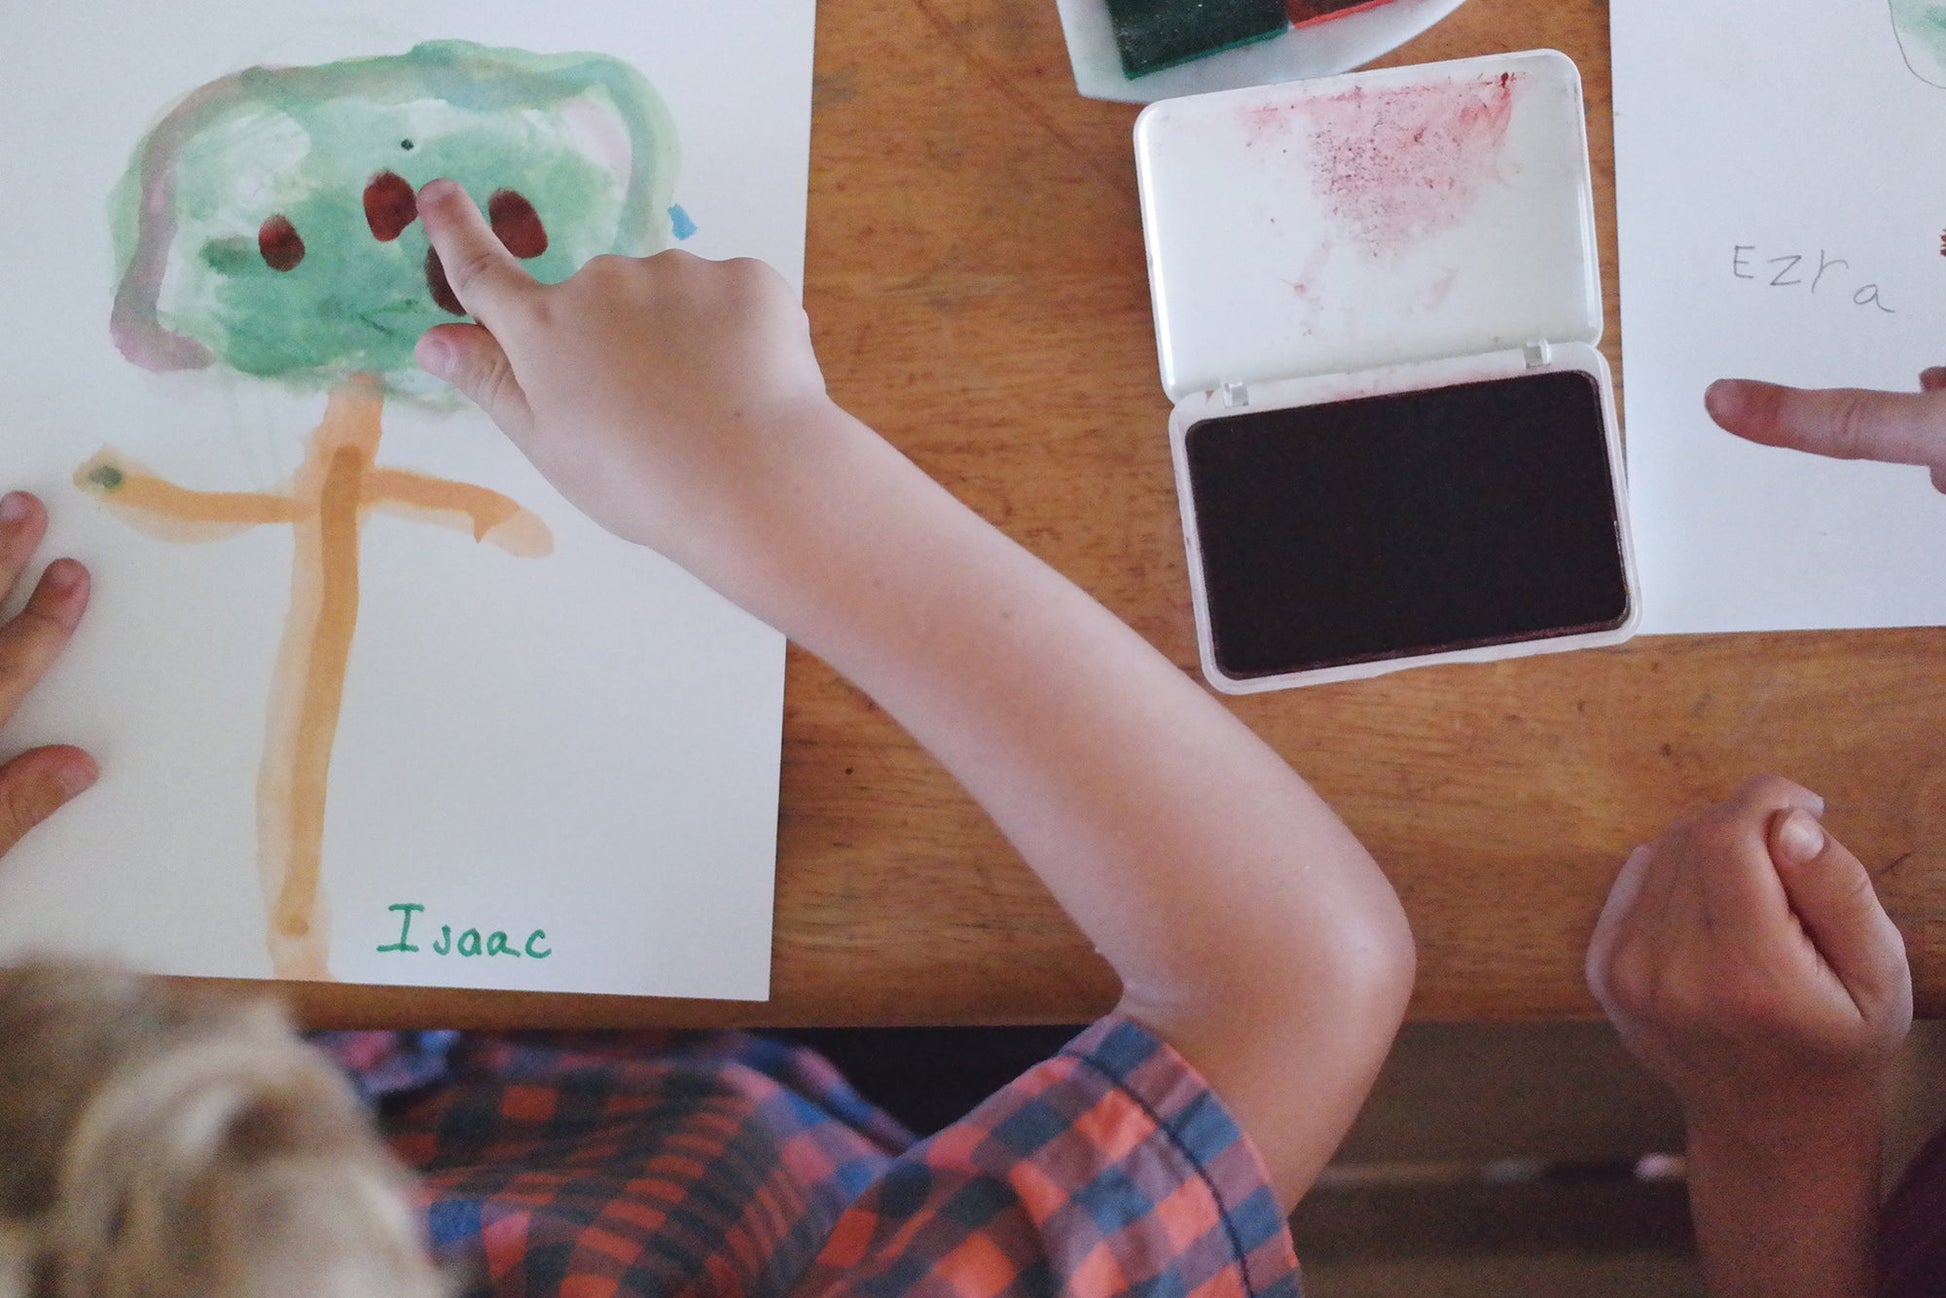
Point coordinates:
[[472, 360], [1831, 893]]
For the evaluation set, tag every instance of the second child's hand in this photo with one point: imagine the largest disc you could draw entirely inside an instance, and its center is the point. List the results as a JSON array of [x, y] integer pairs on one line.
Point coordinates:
[[1843, 423], [34, 784], [1745, 959]]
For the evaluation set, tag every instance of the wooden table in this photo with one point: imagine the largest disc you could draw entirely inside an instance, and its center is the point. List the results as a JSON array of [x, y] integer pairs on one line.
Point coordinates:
[[977, 289]]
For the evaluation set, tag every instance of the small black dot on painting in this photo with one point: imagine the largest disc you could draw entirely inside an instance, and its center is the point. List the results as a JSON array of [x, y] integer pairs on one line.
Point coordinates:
[[406, 145], [107, 477]]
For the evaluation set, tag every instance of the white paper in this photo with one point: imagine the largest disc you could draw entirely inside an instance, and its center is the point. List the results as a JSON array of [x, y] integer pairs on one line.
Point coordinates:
[[584, 744], [1781, 219]]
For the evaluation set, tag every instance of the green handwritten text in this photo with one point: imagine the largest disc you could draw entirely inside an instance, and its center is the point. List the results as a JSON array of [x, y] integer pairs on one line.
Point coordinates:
[[471, 942]]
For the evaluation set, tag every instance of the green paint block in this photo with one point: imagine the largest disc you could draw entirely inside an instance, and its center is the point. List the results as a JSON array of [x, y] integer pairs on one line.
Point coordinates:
[[1157, 34], [245, 234]]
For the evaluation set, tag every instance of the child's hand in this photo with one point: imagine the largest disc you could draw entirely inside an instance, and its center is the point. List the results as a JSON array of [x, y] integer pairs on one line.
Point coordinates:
[[664, 397], [1845, 423], [1745, 959], [35, 784]]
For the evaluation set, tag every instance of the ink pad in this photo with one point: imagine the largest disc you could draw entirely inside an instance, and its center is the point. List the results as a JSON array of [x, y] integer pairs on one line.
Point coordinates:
[[1449, 518], [1377, 303]]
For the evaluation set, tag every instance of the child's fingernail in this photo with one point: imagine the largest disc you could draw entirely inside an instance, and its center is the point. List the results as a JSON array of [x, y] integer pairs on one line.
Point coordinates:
[[76, 775], [1724, 399], [435, 356], [1799, 838], [13, 507], [63, 575]]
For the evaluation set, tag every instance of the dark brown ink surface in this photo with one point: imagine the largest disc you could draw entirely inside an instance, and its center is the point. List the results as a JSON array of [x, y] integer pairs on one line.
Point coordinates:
[[1407, 524]]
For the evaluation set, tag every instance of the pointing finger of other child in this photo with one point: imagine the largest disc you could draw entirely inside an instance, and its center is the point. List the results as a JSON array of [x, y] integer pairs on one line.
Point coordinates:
[[1844, 423]]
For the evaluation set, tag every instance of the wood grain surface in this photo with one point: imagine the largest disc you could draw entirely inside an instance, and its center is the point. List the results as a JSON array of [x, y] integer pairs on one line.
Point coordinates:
[[977, 290]]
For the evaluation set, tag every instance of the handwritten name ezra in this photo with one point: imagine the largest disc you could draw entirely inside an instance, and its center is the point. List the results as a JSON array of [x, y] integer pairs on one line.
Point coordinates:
[[1796, 270], [469, 943]]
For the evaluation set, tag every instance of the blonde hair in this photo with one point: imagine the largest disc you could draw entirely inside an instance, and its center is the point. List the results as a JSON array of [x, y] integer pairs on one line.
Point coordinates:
[[158, 1143]]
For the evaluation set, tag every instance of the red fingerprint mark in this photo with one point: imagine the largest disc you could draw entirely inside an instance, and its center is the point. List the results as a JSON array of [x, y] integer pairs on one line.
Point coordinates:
[[442, 292], [390, 205], [279, 243], [517, 223]]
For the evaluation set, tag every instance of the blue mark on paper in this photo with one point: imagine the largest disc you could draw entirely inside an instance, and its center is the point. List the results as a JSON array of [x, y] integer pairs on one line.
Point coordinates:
[[679, 219]]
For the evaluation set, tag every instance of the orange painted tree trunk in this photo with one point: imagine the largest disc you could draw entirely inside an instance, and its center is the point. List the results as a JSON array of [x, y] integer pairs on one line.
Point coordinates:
[[307, 693], [325, 507]]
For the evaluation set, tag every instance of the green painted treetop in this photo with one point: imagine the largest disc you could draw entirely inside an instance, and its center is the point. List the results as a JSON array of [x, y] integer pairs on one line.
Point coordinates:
[[267, 220]]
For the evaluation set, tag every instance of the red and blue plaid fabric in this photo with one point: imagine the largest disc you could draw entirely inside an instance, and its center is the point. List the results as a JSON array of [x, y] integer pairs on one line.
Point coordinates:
[[733, 1164]]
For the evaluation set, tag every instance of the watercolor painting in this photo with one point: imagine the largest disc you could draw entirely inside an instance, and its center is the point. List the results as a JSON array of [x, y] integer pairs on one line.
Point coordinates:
[[1921, 28], [266, 225]]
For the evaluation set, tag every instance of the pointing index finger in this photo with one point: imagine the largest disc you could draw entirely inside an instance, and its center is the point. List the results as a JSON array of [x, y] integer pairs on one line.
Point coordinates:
[[483, 275], [1845, 423]]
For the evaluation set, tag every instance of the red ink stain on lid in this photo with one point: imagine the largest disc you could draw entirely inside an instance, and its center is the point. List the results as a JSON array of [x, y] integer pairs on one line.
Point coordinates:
[[279, 244], [1394, 166], [390, 205], [516, 223]]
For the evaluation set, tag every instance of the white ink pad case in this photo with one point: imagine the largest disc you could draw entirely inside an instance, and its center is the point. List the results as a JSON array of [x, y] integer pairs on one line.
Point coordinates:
[[1377, 303]]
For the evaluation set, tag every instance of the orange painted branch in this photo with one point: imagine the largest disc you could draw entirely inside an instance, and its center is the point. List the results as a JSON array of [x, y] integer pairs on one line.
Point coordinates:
[[139, 492], [489, 515]]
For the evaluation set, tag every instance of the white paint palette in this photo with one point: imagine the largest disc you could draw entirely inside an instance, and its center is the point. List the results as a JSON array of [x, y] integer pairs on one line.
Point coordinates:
[[1317, 49]]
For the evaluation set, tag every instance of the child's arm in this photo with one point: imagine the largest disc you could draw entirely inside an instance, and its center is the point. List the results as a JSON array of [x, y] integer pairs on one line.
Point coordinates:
[[1746, 960], [679, 403], [34, 784]]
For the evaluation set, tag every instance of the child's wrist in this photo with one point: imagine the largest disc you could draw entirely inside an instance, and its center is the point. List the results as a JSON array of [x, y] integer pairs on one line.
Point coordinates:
[[770, 524], [1789, 1127]]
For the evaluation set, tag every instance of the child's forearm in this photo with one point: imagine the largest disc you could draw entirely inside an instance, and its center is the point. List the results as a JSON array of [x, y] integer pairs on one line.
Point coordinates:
[[1248, 925], [1745, 958], [1789, 1213]]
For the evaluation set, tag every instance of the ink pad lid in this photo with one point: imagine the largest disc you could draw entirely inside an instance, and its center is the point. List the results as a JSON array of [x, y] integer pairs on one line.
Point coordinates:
[[1412, 247], [1412, 213]]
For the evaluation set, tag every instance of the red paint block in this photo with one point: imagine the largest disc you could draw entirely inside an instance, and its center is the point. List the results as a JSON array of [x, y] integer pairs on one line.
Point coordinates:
[[1305, 12]]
